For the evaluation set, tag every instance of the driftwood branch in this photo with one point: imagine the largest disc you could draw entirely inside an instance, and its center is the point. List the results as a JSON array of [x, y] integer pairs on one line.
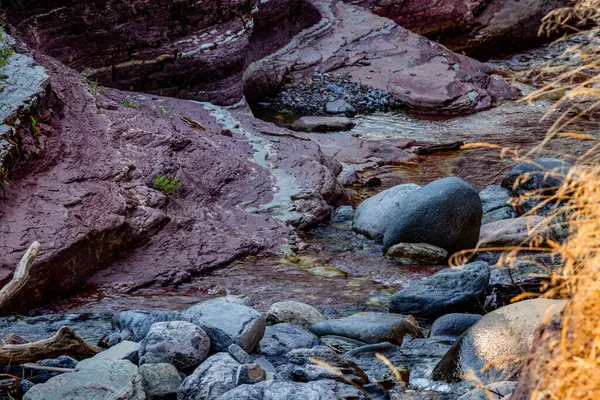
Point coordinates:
[[64, 342], [20, 278]]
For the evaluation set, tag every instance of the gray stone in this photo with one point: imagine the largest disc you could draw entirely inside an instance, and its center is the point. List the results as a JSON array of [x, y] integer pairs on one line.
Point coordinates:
[[319, 390], [322, 353], [342, 214], [494, 391], [126, 350], [450, 290], [293, 312], [340, 106], [281, 338], [518, 272], [373, 216], [370, 327], [133, 325], [516, 231], [453, 324], [106, 380], [227, 322], [495, 202], [26, 385], [249, 374], [499, 341], [180, 343], [239, 354], [322, 124], [445, 213], [417, 253], [340, 343], [160, 381], [59, 362], [213, 378]]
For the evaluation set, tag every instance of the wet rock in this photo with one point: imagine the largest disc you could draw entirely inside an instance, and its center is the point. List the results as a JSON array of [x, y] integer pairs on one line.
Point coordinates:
[[520, 272], [453, 324], [160, 381], [542, 176], [342, 214], [227, 323], [26, 385], [417, 253], [293, 312], [494, 391], [322, 353], [341, 343], [322, 124], [211, 379], [182, 344], [126, 350], [114, 380], [319, 390], [373, 216], [281, 338], [516, 231], [445, 213], [370, 327], [340, 106], [133, 325], [480, 27], [499, 342], [349, 369], [60, 362], [495, 202], [453, 289]]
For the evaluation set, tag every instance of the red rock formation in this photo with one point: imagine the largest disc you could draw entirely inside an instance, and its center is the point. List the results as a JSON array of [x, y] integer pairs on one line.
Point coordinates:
[[484, 27]]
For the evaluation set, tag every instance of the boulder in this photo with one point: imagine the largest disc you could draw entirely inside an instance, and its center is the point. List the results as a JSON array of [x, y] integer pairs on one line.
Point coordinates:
[[453, 324], [318, 390], [340, 106], [495, 348], [445, 213], [160, 381], [516, 231], [322, 124], [227, 322], [134, 325], [342, 214], [370, 327], [125, 350], [180, 343], [450, 290], [494, 391], [211, 379], [495, 202], [293, 312], [373, 216], [282, 338], [417, 253], [106, 380]]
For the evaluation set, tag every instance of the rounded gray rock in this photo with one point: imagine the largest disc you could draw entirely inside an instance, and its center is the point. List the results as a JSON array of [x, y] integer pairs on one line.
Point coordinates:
[[160, 381], [214, 377], [180, 343], [445, 213], [453, 324], [293, 312]]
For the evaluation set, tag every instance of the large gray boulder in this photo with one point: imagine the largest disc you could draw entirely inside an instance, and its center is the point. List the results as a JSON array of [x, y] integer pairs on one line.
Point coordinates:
[[180, 343], [282, 338], [373, 216], [495, 348], [134, 325], [370, 327], [445, 213], [274, 390], [495, 201], [160, 381], [227, 322], [450, 290], [293, 312], [106, 380], [211, 379]]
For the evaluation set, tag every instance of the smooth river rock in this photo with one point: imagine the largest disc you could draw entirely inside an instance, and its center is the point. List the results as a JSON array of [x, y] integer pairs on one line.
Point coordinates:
[[227, 322], [282, 338], [450, 290], [106, 380], [211, 379], [373, 216], [293, 312], [516, 231], [453, 324], [370, 327], [417, 253], [500, 342], [445, 213], [180, 343], [160, 381], [322, 124], [274, 390]]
